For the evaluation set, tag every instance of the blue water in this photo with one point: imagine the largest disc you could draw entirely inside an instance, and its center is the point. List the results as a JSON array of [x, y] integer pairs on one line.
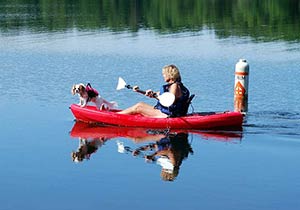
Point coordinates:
[[258, 169]]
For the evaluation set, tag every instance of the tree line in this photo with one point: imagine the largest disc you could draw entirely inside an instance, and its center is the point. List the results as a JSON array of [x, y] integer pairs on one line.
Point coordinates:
[[261, 20]]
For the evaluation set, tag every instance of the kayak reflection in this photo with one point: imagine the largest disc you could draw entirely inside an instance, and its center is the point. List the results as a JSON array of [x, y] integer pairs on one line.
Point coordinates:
[[92, 137], [85, 130], [168, 152], [167, 148], [94, 131]]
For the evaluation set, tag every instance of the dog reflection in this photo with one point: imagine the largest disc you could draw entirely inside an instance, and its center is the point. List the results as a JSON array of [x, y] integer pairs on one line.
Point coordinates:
[[86, 148]]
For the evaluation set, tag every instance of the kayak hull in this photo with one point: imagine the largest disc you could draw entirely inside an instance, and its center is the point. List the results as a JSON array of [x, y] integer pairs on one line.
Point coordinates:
[[90, 114]]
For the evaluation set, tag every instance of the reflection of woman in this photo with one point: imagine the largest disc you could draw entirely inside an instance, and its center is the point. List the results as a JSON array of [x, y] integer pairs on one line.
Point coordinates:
[[169, 153], [87, 148]]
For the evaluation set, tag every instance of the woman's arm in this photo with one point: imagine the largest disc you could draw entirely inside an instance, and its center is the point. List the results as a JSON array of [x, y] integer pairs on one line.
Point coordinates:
[[175, 89]]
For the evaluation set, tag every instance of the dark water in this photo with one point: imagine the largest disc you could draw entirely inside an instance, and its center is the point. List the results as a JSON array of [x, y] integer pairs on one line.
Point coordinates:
[[47, 46]]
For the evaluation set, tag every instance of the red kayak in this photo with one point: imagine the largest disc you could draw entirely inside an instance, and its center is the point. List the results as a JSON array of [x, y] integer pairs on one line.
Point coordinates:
[[213, 120]]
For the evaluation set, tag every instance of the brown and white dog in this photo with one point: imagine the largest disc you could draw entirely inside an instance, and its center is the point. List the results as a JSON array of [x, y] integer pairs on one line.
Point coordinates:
[[87, 93]]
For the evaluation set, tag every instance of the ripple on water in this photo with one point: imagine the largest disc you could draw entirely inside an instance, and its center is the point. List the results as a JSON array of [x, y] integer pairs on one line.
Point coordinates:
[[273, 122]]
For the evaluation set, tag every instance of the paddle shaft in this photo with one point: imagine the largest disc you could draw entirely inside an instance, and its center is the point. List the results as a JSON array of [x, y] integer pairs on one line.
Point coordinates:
[[141, 91], [166, 99]]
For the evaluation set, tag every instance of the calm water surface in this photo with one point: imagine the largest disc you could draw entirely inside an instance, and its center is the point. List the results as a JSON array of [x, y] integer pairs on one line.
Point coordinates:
[[256, 168]]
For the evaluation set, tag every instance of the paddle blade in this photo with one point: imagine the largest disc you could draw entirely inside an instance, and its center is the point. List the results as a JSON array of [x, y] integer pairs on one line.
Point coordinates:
[[166, 99], [121, 84], [121, 148]]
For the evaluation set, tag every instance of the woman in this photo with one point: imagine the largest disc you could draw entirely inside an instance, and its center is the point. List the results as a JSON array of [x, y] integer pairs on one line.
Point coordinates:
[[174, 85]]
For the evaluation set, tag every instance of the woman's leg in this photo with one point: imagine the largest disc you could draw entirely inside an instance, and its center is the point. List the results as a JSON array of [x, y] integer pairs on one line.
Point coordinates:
[[144, 109]]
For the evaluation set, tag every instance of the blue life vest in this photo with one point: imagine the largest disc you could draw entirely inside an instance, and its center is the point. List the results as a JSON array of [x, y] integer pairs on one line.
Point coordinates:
[[178, 108], [163, 144]]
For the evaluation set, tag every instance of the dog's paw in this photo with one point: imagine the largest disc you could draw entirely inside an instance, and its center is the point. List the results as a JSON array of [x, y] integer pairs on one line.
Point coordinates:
[[103, 107]]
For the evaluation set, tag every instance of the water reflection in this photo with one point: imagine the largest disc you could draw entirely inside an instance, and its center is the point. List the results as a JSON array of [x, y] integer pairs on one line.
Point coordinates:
[[93, 131], [92, 137], [167, 148], [138, 135], [87, 146], [261, 20], [168, 152]]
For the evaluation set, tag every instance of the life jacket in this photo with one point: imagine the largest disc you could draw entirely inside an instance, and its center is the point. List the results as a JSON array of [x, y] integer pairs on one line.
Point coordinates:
[[163, 144], [178, 108], [92, 93]]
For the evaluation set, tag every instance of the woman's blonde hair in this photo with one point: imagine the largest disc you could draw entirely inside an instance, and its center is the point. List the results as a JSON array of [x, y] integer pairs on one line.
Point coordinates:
[[167, 175], [172, 72]]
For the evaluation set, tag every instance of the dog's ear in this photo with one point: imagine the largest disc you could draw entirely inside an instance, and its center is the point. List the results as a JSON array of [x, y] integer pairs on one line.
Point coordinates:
[[81, 88], [73, 90]]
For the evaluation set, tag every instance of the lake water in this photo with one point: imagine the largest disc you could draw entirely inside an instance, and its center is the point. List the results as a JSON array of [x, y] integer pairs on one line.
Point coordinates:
[[45, 49]]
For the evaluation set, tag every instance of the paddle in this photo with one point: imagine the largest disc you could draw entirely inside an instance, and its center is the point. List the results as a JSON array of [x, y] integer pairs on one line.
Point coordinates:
[[162, 161], [166, 99]]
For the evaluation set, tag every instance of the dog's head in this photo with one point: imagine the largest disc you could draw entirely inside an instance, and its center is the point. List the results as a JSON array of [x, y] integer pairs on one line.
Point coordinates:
[[77, 157], [78, 88]]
